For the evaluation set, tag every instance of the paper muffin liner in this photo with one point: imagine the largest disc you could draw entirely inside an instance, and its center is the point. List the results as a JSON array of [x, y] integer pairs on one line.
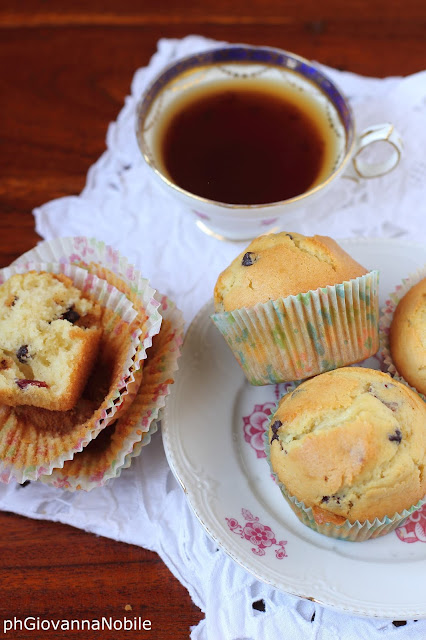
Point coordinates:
[[385, 322], [352, 531], [301, 336], [34, 441], [116, 446]]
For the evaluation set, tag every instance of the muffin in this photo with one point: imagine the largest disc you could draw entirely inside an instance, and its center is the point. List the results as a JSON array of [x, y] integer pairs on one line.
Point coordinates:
[[348, 448], [291, 307], [49, 338], [407, 338]]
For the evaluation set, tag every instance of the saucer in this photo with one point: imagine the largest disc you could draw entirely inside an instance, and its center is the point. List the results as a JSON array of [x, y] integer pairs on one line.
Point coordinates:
[[213, 437]]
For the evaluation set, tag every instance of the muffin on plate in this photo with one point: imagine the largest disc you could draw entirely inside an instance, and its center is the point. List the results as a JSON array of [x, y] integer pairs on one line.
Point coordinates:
[[407, 337], [348, 449], [291, 307], [49, 338]]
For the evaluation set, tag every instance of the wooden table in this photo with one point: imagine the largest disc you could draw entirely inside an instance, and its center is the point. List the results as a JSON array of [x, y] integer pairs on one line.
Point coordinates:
[[65, 70]]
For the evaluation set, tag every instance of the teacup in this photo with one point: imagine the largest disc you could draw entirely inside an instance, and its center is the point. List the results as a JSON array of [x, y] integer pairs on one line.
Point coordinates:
[[204, 151]]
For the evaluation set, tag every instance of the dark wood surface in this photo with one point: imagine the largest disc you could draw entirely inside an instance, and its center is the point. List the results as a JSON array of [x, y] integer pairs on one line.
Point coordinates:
[[65, 70]]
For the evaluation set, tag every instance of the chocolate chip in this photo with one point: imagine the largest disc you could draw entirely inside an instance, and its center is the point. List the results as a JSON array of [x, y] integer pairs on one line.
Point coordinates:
[[15, 299], [23, 383], [248, 259], [325, 499], [277, 424], [22, 353], [71, 315], [4, 365], [395, 437], [289, 235]]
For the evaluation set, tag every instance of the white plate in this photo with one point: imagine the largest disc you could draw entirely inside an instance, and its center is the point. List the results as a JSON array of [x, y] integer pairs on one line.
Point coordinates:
[[212, 432]]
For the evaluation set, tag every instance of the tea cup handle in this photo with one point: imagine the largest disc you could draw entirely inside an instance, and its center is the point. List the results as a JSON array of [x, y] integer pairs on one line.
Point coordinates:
[[360, 168]]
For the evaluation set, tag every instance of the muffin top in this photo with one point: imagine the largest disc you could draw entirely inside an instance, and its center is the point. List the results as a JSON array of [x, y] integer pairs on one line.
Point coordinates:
[[408, 336], [282, 264], [351, 444]]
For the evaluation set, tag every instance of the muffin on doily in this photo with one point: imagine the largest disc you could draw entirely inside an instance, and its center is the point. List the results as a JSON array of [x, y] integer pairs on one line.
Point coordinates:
[[291, 307], [348, 449], [33, 439], [125, 423], [49, 337]]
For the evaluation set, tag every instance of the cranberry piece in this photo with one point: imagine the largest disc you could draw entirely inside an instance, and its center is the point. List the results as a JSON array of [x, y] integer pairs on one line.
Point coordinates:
[[23, 383]]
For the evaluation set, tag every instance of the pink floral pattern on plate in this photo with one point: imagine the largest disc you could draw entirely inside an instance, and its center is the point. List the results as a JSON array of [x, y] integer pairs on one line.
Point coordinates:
[[258, 534], [414, 528], [255, 424]]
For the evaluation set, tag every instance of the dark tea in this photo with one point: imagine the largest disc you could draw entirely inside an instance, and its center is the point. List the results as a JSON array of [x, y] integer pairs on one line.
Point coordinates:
[[246, 142]]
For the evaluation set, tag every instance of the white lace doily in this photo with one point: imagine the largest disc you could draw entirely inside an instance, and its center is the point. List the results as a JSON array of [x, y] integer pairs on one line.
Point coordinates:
[[124, 207]]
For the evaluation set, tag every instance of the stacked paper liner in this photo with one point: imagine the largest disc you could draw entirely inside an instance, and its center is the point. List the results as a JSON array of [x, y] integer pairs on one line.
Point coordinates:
[[121, 410], [33, 441], [386, 320], [301, 336], [351, 531], [132, 428]]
